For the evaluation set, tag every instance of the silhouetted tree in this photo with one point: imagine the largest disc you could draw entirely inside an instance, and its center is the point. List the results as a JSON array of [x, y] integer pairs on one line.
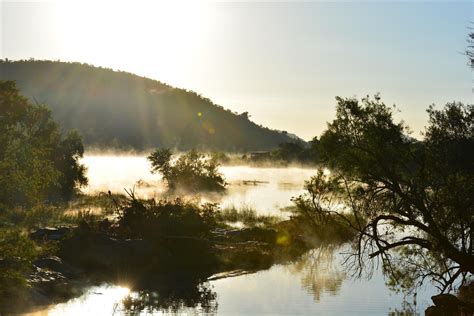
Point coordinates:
[[412, 200]]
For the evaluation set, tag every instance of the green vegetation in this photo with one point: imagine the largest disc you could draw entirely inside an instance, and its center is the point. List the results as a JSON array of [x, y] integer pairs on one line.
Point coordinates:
[[411, 201], [17, 255], [191, 171], [318, 210], [36, 162], [156, 219], [122, 110], [247, 216], [296, 152]]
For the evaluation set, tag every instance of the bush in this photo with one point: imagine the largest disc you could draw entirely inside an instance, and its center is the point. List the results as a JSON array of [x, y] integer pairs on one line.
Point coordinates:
[[17, 253], [192, 171], [154, 219]]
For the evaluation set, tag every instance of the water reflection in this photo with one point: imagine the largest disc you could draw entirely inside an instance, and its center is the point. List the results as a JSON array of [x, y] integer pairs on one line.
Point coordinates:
[[97, 300], [169, 295], [313, 284], [199, 298], [319, 273]]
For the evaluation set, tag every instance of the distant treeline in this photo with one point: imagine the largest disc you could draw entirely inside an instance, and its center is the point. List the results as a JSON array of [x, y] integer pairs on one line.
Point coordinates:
[[125, 111]]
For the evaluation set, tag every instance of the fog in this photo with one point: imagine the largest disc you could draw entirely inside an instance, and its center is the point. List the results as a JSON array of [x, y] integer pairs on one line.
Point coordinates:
[[266, 190]]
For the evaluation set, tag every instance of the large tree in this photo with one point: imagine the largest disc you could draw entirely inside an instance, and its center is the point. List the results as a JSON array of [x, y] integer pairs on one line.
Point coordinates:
[[36, 162], [412, 200]]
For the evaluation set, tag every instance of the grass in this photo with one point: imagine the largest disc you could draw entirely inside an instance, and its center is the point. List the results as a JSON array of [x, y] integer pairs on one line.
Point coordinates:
[[247, 216], [39, 216], [70, 213], [100, 203]]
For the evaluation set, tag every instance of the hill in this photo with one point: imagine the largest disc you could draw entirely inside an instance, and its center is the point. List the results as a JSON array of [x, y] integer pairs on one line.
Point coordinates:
[[118, 109]]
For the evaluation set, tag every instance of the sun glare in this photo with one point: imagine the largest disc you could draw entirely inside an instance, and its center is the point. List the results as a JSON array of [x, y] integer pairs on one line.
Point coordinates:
[[160, 35], [101, 300]]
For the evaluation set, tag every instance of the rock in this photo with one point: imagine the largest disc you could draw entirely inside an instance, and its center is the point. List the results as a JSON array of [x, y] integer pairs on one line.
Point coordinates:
[[466, 293], [445, 300], [49, 284], [448, 304], [55, 264], [48, 233], [39, 275], [435, 311]]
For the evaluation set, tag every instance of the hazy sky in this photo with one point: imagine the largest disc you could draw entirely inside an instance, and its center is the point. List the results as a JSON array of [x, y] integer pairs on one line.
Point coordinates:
[[283, 62]]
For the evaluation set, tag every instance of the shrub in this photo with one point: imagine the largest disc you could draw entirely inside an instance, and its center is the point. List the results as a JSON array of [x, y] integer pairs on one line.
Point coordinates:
[[154, 219], [192, 171], [17, 253]]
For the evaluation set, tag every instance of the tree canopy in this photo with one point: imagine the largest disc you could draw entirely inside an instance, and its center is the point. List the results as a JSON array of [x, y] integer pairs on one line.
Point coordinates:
[[191, 171], [36, 162], [412, 200]]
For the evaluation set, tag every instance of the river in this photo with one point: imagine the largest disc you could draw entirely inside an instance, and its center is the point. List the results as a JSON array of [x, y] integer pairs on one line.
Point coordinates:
[[315, 284]]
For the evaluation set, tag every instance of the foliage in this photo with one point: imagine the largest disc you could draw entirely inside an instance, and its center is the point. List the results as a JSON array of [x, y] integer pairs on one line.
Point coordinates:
[[221, 157], [118, 109], [154, 219], [296, 152], [191, 171], [17, 252], [470, 50], [416, 196], [35, 217], [35, 162], [72, 173], [319, 208]]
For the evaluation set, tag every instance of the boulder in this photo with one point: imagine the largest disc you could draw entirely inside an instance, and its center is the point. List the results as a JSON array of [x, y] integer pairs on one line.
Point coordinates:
[[448, 304], [55, 264], [49, 233], [50, 284]]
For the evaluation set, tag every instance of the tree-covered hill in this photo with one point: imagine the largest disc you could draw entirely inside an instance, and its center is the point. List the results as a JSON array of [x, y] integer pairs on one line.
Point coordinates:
[[119, 109]]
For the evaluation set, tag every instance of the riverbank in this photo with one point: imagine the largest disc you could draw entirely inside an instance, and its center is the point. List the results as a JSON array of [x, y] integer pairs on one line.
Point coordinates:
[[143, 244]]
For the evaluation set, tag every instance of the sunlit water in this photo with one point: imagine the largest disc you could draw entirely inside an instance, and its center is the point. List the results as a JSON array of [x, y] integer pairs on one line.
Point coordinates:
[[316, 284], [266, 190]]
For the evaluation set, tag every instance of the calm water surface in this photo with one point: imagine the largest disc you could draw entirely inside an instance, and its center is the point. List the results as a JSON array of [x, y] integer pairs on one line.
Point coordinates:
[[315, 284]]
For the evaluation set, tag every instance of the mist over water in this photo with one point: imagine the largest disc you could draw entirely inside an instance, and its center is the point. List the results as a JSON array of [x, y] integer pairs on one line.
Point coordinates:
[[316, 283], [266, 190]]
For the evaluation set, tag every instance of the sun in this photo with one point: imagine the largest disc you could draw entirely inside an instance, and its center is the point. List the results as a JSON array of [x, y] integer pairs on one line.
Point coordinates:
[[134, 34]]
